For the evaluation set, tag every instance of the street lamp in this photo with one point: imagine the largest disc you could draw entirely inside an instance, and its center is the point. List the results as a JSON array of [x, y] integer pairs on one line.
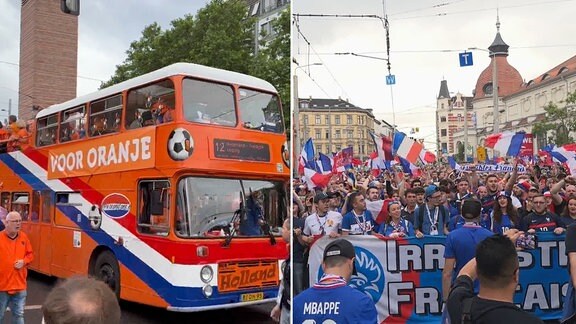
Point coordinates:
[[296, 106]]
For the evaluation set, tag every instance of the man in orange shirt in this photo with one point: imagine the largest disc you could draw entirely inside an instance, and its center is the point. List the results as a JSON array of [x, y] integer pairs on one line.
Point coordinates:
[[16, 252]]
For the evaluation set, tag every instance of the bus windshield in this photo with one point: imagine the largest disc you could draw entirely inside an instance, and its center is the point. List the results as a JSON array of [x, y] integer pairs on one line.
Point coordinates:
[[205, 207]]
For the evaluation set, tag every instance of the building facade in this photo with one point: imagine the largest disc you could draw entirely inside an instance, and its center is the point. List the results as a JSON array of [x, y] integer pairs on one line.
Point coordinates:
[[520, 104], [334, 124], [48, 56], [266, 11]]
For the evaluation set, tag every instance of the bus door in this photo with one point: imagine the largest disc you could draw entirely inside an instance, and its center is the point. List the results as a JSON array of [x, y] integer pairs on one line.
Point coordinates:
[[43, 253]]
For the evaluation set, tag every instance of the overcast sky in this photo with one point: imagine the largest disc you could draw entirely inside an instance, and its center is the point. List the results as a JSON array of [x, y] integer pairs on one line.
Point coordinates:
[[105, 30], [424, 50]]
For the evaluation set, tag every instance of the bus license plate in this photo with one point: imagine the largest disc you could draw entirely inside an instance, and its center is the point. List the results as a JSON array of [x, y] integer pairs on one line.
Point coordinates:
[[252, 297]]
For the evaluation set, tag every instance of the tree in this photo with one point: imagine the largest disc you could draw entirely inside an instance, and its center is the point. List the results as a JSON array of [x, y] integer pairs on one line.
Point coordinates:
[[220, 35], [460, 152], [558, 122], [273, 62]]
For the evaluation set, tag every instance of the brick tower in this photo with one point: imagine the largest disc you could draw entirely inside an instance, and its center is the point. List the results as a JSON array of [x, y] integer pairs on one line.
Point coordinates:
[[48, 56]]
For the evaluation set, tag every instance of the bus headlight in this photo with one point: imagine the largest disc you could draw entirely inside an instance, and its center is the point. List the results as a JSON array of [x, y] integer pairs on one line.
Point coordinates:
[[206, 273], [207, 291]]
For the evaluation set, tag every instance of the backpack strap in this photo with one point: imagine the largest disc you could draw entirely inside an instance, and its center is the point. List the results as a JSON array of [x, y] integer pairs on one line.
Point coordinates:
[[466, 310]]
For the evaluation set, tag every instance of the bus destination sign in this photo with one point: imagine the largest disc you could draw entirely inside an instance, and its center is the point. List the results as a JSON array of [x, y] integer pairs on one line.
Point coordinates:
[[240, 150]]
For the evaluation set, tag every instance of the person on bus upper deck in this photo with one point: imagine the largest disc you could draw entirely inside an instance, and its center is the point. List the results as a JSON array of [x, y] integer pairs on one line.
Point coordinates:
[[99, 126], [147, 118], [69, 132], [3, 133], [19, 139], [162, 111], [12, 128]]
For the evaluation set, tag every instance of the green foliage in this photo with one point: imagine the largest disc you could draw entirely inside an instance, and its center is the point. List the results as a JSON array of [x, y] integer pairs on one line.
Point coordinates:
[[273, 62], [220, 35], [459, 157], [559, 121]]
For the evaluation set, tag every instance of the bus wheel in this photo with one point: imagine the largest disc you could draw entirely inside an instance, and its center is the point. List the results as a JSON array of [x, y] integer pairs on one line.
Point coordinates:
[[106, 269]]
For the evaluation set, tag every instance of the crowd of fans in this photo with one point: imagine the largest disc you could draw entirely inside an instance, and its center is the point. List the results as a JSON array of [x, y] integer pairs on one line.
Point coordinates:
[[394, 204], [14, 136]]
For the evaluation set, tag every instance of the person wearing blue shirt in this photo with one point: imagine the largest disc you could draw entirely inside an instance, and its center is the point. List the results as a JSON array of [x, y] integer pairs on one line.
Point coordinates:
[[461, 244], [253, 218], [331, 300], [504, 216], [432, 217], [359, 220], [395, 226], [456, 222]]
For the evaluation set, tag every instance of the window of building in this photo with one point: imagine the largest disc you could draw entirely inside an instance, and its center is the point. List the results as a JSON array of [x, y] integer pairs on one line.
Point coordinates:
[[337, 119], [105, 116], [443, 119], [444, 147], [318, 136], [327, 133], [47, 128], [443, 132], [337, 134], [360, 133], [305, 119], [350, 133], [327, 119], [487, 89], [349, 119], [362, 151], [73, 124], [154, 207], [318, 119], [304, 104], [319, 147], [338, 147]]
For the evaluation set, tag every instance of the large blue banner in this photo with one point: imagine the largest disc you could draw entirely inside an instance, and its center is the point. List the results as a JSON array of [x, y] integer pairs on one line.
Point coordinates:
[[404, 276]]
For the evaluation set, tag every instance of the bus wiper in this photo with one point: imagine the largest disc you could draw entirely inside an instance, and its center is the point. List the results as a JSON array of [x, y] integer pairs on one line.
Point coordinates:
[[236, 218], [231, 230], [266, 230]]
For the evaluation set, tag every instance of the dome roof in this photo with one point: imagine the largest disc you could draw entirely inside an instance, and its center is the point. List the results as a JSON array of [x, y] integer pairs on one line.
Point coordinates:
[[509, 79]]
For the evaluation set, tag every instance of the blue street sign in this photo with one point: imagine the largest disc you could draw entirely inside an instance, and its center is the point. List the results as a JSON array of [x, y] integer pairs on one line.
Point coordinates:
[[390, 79], [466, 59]]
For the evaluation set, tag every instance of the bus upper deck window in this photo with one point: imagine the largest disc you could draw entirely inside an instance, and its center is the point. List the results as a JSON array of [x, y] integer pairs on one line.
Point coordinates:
[[208, 103], [260, 111]]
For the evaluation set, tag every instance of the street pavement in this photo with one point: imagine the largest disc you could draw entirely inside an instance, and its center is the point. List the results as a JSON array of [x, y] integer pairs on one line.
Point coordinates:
[[39, 286]]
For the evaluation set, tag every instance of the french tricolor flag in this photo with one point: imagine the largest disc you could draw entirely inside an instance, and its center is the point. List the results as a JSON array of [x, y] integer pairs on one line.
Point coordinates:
[[324, 164], [566, 154], [315, 179], [507, 143], [383, 147], [406, 148], [306, 159]]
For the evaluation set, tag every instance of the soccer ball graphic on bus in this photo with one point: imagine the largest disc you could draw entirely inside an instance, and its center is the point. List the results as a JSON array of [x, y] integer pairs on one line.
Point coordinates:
[[180, 144]]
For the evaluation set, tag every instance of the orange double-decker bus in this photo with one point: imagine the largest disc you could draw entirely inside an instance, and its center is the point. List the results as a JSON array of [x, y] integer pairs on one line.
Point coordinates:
[[171, 187]]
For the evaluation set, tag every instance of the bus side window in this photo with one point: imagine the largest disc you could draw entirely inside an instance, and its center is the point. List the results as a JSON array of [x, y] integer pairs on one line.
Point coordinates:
[[105, 116], [153, 207], [46, 130], [5, 200], [150, 105], [21, 204]]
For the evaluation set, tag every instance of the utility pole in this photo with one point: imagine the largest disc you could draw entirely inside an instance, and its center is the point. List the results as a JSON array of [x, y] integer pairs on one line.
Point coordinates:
[[296, 123]]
